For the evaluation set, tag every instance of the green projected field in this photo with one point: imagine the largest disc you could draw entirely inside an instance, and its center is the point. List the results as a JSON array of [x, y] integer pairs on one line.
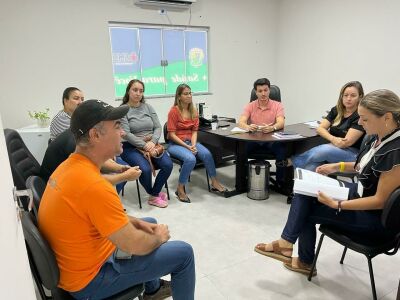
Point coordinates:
[[155, 84]]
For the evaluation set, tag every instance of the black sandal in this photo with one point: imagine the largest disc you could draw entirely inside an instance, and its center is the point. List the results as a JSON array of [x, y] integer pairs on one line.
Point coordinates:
[[185, 200], [217, 191]]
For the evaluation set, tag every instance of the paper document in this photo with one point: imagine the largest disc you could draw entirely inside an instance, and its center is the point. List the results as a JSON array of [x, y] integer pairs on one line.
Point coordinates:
[[309, 183], [312, 124], [286, 135], [238, 130]]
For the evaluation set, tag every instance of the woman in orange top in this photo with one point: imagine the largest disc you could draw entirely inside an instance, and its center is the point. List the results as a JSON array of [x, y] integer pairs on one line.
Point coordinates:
[[183, 124]]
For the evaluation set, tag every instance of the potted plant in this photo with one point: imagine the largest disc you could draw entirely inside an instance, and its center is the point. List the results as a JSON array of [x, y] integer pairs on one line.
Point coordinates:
[[42, 117]]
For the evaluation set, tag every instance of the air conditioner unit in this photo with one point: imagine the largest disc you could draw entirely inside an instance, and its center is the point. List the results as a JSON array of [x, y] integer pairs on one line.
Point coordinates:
[[165, 3]]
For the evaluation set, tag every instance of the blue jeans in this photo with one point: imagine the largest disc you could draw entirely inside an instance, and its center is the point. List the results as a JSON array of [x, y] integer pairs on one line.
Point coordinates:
[[135, 158], [175, 258], [189, 160], [277, 149], [305, 212], [326, 153], [120, 185]]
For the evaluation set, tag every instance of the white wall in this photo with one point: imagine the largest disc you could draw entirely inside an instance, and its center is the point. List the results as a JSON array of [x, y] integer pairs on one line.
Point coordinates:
[[15, 276], [47, 45], [310, 48], [324, 44]]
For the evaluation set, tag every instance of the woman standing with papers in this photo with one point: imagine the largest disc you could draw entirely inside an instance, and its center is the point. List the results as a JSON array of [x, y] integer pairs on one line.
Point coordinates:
[[378, 165], [340, 128]]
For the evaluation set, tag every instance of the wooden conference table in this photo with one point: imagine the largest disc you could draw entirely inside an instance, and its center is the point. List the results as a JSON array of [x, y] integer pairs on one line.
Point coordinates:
[[236, 142]]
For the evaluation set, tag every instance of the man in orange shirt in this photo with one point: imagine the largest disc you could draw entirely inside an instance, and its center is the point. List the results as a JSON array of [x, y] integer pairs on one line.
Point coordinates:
[[83, 219], [267, 115]]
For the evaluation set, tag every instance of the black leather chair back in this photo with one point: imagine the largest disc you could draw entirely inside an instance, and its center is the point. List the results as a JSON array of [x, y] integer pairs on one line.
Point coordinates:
[[274, 93], [37, 185], [23, 163], [391, 212], [41, 253], [45, 267], [366, 244], [165, 131]]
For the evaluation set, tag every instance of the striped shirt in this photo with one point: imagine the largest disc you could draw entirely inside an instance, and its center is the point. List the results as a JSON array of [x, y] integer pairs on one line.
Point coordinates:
[[59, 124]]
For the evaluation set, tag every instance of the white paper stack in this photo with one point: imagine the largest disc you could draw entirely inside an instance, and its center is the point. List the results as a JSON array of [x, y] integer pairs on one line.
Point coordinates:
[[309, 183], [238, 130], [312, 124], [286, 135]]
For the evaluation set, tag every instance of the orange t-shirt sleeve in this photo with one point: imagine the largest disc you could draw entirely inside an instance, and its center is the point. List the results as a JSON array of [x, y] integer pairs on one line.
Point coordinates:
[[108, 214]]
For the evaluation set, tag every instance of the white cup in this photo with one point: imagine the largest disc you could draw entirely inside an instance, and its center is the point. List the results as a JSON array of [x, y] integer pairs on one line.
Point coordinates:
[[214, 125]]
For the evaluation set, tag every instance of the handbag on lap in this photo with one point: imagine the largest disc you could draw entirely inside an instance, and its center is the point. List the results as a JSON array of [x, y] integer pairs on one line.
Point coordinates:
[[157, 152]]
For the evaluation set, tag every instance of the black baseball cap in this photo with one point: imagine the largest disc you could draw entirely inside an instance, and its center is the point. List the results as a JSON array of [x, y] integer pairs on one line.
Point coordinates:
[[91, 112]]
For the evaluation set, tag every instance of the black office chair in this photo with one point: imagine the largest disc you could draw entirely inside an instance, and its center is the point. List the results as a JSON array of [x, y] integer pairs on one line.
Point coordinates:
[[368, 244], [138, 191], [37, 185], [274, 93], [23, 164], [180, 163], [45, 269]]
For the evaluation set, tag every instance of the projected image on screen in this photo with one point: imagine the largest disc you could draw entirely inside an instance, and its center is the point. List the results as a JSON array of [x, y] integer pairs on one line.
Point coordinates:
[[162, 58]]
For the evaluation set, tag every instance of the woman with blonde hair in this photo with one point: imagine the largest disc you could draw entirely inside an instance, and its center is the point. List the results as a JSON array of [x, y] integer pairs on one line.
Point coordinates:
[[378, 167], [182, 125], [340, 128]]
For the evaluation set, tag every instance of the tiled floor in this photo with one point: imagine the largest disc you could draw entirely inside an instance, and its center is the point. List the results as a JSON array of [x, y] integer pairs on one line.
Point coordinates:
[[223, 233]]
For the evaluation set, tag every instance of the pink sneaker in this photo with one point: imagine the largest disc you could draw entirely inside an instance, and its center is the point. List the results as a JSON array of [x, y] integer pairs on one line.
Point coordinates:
[[163, 196], [158, 201]]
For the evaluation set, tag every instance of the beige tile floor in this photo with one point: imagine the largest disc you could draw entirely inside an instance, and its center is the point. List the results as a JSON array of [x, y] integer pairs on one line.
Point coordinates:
[[223, 233]]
